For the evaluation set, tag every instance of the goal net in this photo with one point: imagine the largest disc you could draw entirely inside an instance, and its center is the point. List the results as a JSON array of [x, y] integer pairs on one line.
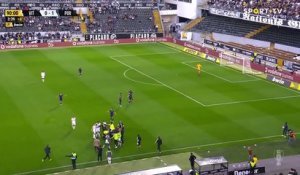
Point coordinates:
[[240, 63]]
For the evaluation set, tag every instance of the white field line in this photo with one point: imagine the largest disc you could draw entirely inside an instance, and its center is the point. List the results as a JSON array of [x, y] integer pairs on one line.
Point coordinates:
[[201, 59], [267, 81], [136, 81], [152, 153], [189, 97], [163, 84], [255, 100], [222, 78], [243, 101], [136, 55]]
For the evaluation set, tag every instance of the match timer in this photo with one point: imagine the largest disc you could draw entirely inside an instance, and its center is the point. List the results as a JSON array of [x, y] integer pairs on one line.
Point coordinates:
[[8, 13]]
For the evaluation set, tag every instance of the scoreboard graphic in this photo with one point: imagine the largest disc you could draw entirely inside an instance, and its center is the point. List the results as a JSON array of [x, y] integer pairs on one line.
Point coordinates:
[[15, 18]]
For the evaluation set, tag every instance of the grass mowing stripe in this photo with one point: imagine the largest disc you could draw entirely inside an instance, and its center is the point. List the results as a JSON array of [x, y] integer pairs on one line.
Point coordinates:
[[205, 105], [169, 87], [229, 68], [152, 153]]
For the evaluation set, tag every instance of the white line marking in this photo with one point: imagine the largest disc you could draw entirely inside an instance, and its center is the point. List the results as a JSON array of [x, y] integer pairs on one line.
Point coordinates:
[[198, 102], [163, 84], [162, 161], [255, 100], [136, 81], [222, 78], [253, 76], [153, 153], [162, 53]]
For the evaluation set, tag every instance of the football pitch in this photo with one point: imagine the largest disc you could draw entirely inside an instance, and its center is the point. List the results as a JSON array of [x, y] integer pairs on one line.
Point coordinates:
[[221, 106]]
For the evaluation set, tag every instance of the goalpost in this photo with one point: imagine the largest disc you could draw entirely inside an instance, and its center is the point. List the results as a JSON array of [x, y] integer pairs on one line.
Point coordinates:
[[240, 63]]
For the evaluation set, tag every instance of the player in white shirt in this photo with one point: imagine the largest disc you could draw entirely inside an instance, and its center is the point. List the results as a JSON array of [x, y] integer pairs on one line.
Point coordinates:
[[94, 131], [43, 76], [73, 121], [98, 128]]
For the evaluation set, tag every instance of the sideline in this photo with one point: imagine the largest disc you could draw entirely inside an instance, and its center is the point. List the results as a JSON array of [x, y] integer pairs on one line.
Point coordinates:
[[152, 153]]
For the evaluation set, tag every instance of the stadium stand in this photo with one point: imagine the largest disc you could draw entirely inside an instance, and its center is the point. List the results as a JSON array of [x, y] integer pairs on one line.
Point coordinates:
[[290, 8], [120, 21], [242, 28], [264, 51], [225, 25], [39, 24], [286, 36], [106, 19]]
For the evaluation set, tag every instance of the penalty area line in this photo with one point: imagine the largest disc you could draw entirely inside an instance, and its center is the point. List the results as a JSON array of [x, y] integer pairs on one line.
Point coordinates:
[[156, 80], [254, 100], [136, 81], [152, 153]]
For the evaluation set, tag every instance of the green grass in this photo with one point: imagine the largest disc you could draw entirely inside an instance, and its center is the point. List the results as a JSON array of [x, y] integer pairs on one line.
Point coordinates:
[[171, 101]]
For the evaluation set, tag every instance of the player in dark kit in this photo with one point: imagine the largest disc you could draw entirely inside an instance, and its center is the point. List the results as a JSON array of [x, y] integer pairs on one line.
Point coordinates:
[[130, 96], [60, 98], [47, 151], [111, 114], [139, 140], [285, 129], [80, 71], [120, 100]]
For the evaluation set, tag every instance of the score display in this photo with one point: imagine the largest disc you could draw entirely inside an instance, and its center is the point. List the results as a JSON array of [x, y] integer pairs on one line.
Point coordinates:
[[49, 13], [13, 18]]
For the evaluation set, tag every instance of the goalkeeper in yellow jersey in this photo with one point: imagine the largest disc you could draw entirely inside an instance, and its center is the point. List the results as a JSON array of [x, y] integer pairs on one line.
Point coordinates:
[[199, 67]]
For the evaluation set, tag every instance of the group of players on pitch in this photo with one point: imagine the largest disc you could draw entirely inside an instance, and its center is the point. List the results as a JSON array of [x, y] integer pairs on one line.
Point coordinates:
[[106, 130]]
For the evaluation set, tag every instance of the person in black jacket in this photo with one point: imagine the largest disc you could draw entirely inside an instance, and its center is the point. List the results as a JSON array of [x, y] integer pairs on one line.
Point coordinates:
[[158, 143], [192, 161], [100, 151]]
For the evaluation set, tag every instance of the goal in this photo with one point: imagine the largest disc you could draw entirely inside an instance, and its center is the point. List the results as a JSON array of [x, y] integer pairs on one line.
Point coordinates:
[[240, 63]]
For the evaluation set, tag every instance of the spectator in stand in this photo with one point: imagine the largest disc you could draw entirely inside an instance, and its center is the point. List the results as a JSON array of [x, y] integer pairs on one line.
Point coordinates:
[[289, 9], [293, 172]]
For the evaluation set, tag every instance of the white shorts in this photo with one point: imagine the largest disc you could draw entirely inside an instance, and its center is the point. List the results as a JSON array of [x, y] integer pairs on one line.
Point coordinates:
[[73, 123]]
